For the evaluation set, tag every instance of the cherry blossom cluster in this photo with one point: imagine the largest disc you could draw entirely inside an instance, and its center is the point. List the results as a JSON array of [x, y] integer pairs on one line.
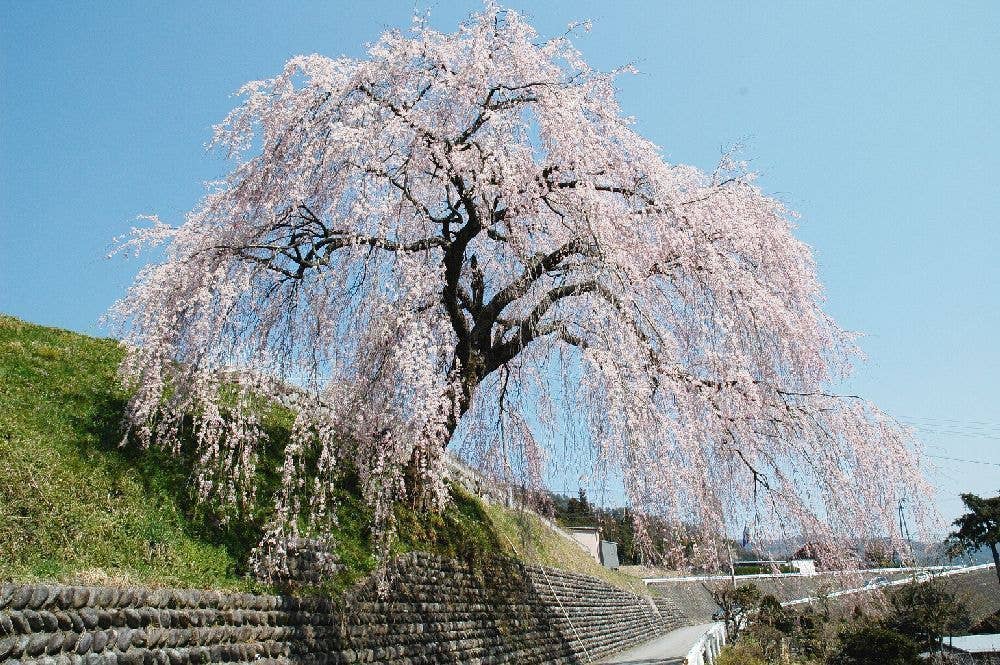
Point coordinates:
[[460, 241]]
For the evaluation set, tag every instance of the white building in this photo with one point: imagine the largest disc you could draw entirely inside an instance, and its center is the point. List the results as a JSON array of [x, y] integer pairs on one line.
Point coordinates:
[[605, 552]]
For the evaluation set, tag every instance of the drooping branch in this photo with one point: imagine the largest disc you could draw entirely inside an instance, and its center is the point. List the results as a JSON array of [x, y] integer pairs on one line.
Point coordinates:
[[314, 251], [537, 266], [372, 186], [528, 329]]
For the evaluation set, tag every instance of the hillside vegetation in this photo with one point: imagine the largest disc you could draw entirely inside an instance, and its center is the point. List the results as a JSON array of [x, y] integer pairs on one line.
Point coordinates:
[[75, 506]]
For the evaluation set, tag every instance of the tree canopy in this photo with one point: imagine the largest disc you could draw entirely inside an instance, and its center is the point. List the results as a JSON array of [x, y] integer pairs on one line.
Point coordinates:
[[460, 240], [926, 613], [980, 527]]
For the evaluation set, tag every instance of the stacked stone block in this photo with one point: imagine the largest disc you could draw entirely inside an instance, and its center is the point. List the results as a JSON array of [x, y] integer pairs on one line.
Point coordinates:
[[978, 589], [698, 606], [434, 610], [309, 562], [693, 598]]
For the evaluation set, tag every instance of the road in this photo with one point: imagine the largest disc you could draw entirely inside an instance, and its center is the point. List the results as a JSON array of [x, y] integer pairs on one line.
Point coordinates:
[[669, 649], [672, 648], [922, 575]]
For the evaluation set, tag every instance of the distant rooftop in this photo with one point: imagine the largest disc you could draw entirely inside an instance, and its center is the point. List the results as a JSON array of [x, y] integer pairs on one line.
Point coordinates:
[[975, 643]]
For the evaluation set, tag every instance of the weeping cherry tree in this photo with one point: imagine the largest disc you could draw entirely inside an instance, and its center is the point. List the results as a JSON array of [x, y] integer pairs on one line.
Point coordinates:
[[460, 241]]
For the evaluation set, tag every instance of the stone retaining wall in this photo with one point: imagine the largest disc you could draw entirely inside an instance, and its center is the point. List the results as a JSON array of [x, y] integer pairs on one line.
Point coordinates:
[[435, 610], [695, 599], [977, 588]]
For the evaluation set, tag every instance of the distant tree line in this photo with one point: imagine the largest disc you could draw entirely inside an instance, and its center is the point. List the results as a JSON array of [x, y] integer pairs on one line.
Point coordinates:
[[978, 529], [668, 543], [916, 619]]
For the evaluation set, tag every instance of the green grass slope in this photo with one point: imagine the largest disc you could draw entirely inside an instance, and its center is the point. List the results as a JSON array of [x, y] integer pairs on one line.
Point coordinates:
[[75, 506]]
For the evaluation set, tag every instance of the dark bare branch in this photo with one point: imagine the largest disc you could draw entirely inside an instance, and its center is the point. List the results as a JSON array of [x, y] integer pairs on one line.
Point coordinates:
[[536, 267]]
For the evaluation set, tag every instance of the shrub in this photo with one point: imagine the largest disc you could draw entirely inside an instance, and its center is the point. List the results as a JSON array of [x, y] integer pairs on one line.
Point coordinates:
[[868, 644]]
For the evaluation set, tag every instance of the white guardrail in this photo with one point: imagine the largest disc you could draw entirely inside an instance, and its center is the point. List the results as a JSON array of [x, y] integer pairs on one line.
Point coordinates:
[[706, 649], [919, 576], [862, 571], [708, 646]]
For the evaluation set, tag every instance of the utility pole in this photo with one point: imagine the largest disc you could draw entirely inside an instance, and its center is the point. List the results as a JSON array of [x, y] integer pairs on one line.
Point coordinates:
[[904, 531], [732, 568]]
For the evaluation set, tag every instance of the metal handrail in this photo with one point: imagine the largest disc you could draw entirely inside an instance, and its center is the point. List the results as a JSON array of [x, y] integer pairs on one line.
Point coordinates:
[[712, 640]]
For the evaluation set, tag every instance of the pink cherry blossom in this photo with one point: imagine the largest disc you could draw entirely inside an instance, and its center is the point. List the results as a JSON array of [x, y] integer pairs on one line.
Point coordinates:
[[459, 240]]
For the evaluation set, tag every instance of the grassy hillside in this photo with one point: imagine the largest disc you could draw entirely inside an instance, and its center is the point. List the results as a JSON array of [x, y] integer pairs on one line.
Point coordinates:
[[76, 506]]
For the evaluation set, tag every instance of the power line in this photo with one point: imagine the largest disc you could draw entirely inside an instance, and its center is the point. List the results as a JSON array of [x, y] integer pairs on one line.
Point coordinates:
[[953, 432], [959, 459], [954, 421]]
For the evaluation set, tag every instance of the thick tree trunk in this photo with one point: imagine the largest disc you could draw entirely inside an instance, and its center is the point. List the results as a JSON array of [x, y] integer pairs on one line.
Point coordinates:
[[996, 560], [417, 491]]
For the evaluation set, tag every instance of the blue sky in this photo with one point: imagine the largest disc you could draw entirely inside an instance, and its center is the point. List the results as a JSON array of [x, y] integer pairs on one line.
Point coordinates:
[[875, 121]]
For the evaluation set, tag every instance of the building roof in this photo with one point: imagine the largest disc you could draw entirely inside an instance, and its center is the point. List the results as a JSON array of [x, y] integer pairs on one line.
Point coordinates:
[[975, 643]]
